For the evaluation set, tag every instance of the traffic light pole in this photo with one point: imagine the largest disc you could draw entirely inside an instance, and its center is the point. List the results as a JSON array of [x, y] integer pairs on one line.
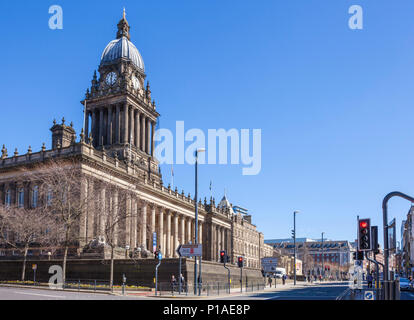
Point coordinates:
[[294, 249], [228, 270], [385, 222], [323, 270], [377, 272], [241, 280]]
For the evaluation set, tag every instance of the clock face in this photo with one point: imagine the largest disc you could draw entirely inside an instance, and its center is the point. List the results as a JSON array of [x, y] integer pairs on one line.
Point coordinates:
[[111, 78], [136, 83]]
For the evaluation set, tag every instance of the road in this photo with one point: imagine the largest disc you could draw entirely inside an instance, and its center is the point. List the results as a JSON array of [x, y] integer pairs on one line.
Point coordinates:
[[39, 294], [407, 295], [324, 291]]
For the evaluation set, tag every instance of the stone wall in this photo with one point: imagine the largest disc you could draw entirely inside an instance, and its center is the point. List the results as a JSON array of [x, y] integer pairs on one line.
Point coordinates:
[[138, 272]]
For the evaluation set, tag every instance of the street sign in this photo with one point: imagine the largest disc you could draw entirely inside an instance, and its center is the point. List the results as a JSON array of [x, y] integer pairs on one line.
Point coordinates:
[[34, 266], [190, 250], [269, 264], [369, 295], [154, 242], [160, 256]]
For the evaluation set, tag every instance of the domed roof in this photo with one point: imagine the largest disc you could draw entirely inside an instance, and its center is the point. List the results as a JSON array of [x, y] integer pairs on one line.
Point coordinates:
[[122, 48]]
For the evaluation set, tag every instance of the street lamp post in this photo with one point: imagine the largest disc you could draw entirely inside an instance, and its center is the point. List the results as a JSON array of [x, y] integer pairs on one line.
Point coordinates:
[[323, 270], [294, 245], [196, 218]]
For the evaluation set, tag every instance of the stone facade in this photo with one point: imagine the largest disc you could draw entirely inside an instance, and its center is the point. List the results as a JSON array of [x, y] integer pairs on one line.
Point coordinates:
[[117, 145]]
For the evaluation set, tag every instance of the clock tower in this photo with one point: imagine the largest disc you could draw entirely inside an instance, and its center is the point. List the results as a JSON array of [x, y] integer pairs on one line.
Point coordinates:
[[120, 116]]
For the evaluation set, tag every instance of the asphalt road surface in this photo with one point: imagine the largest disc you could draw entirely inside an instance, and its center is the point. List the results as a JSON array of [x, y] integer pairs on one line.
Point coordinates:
[[324, 291]]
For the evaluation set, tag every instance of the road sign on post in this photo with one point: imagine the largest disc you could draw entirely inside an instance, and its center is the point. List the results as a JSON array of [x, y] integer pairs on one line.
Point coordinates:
[[154, 242], [190, 250], [269, 264], [369, 295]]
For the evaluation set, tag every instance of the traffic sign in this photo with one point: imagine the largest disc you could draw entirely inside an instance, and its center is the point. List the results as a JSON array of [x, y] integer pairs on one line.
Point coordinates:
[[154, 242], [34, 266], [369, 295], [269, 264], [160, 256], [190, 250]]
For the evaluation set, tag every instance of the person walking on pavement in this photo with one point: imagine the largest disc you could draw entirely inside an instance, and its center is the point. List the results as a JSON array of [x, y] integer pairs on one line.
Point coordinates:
[[369, 279], [284, 279], [173, 283], [182, 282]]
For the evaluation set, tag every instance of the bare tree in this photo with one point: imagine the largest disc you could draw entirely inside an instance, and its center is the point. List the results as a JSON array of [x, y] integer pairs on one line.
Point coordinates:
[[22, 228], [66, 199]]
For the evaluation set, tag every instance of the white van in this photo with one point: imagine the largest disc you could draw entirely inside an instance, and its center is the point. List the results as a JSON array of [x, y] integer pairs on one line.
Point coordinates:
[[279, 272]]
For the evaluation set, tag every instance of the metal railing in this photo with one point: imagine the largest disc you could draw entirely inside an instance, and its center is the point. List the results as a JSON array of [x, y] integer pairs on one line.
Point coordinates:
[[207, 289]]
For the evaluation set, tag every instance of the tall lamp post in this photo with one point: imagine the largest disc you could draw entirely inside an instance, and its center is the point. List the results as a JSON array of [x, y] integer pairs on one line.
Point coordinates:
[[323, 270], [196, 218], [294, 245]]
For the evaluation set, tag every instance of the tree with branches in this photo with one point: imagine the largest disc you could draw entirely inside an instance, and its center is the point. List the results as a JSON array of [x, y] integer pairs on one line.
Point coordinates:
[[22, 228]]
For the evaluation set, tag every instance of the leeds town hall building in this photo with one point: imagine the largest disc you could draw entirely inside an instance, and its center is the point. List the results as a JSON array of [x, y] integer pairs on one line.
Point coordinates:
[[118, 141]]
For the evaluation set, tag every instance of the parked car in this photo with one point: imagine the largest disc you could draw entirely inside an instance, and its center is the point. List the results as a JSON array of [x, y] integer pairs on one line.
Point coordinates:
[[405, 284]]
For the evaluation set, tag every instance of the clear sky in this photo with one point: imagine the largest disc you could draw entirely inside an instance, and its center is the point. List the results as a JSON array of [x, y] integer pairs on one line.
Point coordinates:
[[335, 105]]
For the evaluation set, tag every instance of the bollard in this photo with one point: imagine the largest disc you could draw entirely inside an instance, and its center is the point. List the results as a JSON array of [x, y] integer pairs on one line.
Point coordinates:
[[95, 285], [78, 285]]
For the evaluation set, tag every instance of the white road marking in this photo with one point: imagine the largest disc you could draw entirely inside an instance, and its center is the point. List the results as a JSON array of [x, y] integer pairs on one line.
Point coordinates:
[[41, 295]]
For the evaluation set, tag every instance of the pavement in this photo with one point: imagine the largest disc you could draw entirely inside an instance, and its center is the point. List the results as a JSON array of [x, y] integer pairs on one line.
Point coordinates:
[[302, 291]]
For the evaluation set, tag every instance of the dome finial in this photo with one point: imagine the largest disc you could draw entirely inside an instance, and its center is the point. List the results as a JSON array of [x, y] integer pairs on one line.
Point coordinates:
[[123, 28]]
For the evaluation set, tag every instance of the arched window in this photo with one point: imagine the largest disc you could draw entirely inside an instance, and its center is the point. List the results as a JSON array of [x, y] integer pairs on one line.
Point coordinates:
[[20, 198], [7, 199], [35, 196]]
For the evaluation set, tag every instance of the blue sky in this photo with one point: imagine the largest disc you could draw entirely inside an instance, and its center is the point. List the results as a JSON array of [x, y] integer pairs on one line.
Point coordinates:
[[335, 105]]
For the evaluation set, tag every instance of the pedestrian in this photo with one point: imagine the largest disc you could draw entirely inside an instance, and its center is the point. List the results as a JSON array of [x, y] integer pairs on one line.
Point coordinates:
[[182, 282], [173, 283], [284, 279], [270, 282], [369, 279]]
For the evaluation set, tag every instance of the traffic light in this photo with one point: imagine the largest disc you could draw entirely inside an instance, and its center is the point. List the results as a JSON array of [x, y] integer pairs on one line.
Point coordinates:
[[293, 234], [223, 256], [374, 239], [358, 255], [364, 235], [240, 262], [156, 255]]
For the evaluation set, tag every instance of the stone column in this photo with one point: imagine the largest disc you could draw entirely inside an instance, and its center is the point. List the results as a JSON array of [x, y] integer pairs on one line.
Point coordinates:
[[126, 121], [101, 127], [168, 235], [175, 255], [117, 124], [102, 213], [83, 218], [144, 224], [152, 138], [94, 127], [87, 125], [131, 134], [142, 132], [90, 214], [109, 127], [153, 229], [161, 231], [188, 230], [115, 216], [182, 239], [137, 126], [200, 232], [223, 247], [148, 136], [134, 224], [128, 221]]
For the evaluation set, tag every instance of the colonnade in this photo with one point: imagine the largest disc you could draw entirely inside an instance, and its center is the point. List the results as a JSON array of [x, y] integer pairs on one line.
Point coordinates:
[[120, 124]]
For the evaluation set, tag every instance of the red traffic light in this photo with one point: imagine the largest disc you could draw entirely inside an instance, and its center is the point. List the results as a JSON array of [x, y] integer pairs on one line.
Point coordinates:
[[222, 253], [240, 259], [363, 224]]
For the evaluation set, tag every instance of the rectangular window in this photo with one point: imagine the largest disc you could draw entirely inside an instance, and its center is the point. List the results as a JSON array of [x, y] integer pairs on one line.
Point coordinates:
[[8, 198], [21, 198], [35, 195]]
